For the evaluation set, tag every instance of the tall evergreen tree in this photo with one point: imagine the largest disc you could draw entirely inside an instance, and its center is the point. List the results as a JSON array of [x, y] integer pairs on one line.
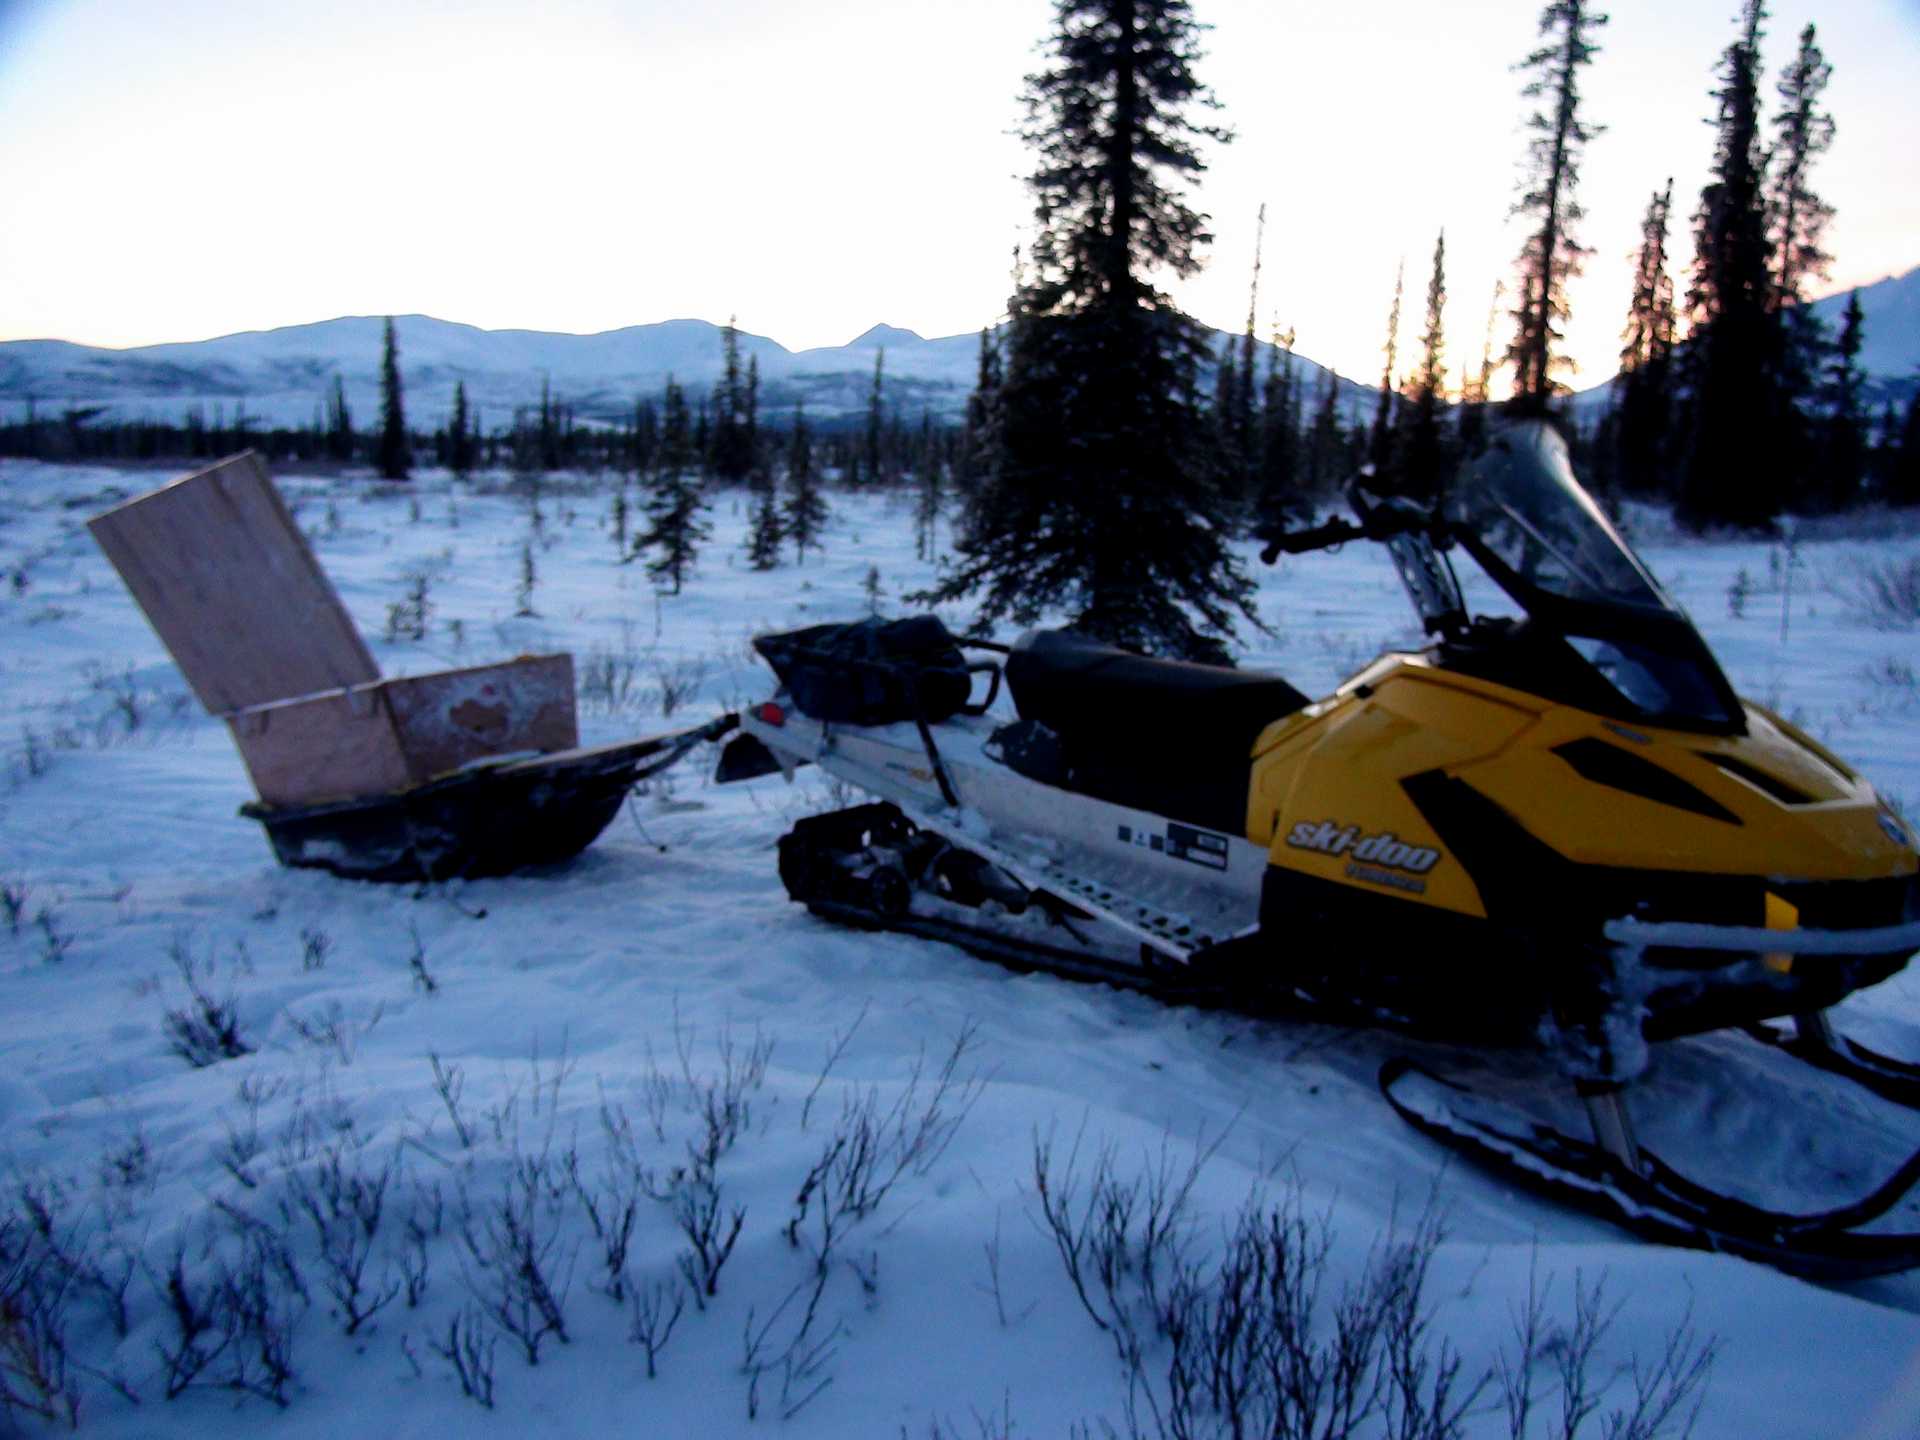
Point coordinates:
[[1552, 254], [460, 433], [1843, 428], [547, 436], [1239, 383], [1803, 133], [339, 423], [1109, 500], [1424, 455], [393, 459], [1326, 462], [731, 454], [675, 508], [1380, 447], [1279, 431], [980, 435], [644, 443], [873, 452], [930, 499], [1476, 386], [1643, 414], [1903, 481], [764, 530], [1797, 224], [1734, 473], [804, 513]]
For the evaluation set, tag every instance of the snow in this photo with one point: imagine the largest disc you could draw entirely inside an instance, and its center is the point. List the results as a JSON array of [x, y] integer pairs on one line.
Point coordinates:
[[580, 989]]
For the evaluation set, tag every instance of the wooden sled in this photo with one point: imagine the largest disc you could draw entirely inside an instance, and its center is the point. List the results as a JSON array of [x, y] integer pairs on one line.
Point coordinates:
[[475, 771]]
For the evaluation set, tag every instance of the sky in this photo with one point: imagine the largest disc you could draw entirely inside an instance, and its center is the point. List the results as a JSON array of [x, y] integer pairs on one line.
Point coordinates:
[[174, 172]]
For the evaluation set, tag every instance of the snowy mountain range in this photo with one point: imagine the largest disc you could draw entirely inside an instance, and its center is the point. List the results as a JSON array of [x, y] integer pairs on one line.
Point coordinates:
[[284, 376]]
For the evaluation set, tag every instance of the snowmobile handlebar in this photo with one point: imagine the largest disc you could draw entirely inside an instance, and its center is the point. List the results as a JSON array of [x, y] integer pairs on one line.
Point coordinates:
[[1379, 520], [1319, 537]]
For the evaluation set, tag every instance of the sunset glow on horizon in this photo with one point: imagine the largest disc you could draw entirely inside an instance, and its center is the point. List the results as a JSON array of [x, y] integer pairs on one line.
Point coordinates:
[[587, 165]]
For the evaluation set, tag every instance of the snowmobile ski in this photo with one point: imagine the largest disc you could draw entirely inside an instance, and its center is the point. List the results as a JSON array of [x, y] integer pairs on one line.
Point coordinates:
[[1814, 1041], [1651, 1199]]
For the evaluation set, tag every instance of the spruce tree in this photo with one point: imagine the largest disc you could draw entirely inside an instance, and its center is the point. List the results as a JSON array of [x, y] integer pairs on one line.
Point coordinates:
[[675, 507], [1246, 431], [1803, 132], [930, 498], [1477, 385], [460, 433], [1327, 465], [1423, 457], [731, 454], [1226, 409], [1797, 224], [393, 458], [339, 423], [1903, 481], [1552, 254], [1643, 413], [1109, 500], [1279, 478], [764, 532], [1380, 446], [644, 443], [873, 463], [546, 441], [1734, 473], [979, 439], [804, 513], [1843, 430]]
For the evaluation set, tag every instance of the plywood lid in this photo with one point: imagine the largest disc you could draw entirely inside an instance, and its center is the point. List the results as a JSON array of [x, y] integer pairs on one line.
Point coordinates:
[[233, 589]]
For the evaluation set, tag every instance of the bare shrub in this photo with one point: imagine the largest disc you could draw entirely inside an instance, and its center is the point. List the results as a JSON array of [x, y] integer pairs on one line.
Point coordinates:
[[1252, 1337], [34, 1378], [13, 903], [55, 938], [205, 1030], [678, 681], [344, 1202], [1885, 593], [610, 676], [315, 946], [329, 1029], [470, 1355], [449, 1083], [656, 1310], [423, 980], [519, 1275], [872, 1146]]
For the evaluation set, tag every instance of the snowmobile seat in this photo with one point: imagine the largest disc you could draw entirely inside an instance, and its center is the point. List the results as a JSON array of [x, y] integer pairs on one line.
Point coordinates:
[[1166, 736]]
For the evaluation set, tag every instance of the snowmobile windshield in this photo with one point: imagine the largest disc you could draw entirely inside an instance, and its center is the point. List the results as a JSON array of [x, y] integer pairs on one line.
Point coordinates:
[[1519, 500], [1623, 647]]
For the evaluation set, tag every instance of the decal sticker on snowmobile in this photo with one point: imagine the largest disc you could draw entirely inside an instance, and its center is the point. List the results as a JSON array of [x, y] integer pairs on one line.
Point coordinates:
[[1383, 851], [1374, 875], [1180, 842]]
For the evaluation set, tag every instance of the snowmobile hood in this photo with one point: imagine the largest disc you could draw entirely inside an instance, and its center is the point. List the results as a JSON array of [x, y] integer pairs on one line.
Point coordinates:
[[1766, 802]]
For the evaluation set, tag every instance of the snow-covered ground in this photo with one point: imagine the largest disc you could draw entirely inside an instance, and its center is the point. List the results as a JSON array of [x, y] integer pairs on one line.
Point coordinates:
[[595, 1026]]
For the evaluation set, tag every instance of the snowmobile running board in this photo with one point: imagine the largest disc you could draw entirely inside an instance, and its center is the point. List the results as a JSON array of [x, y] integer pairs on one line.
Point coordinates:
[[912, 774], [1654, 1201]]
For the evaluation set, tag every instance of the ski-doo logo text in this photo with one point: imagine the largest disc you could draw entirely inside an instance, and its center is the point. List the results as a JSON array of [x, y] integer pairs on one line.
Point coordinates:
[[1330, 837]]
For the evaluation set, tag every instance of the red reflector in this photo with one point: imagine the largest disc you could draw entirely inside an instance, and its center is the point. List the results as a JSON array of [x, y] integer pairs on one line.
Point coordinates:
[[772, 714]]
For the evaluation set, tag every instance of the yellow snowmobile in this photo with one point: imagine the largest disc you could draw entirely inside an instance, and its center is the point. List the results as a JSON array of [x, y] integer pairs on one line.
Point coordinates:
[[1560, 829]]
